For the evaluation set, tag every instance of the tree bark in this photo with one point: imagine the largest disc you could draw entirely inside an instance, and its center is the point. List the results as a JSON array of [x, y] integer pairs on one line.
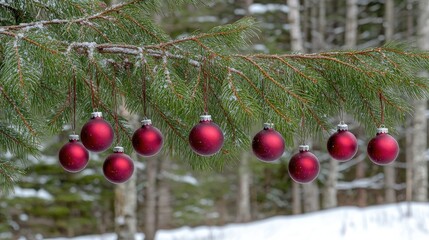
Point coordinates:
[[243, 200], [389, 170], [126, 193], [311, 197], [297, 44], [150, 209], [330, 190], [351, 24], [296, 198], [361, 192], [165, 211], [125, 207], [419, 143]]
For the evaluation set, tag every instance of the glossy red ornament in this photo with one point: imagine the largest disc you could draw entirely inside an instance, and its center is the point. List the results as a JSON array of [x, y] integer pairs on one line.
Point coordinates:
[[383, 148], [206, 138], [118, 166], [73, 155], [268, 145], [342, 145], [304, 166], [147, 140], [97, 134]]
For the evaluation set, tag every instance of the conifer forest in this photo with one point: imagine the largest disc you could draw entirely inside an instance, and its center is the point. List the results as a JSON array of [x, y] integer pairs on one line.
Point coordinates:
[[192, 119]]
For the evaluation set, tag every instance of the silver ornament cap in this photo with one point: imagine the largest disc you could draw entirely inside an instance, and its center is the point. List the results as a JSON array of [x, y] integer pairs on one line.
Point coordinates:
[[146, 122], [342, 127], [118, 149], [96, 114], [205, 117], [74, 137], [268, 125], [382, 130], [304, 148]]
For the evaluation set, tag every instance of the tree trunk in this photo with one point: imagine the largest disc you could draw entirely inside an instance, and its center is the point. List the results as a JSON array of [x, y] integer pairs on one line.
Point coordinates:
[[243, 200], [311, 197], [419, 144], [126, 193], [150, 213], [244, 172], [322, 24], [361, 192], [295, 26], [351, 24], [165, 211], [297, 45], [409, 165], [330, 190], [389, 170], [296, 198], [125, 207]]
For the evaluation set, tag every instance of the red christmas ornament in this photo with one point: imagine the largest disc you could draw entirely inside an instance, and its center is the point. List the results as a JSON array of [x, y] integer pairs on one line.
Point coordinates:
[[383, 148], [73, 155], [206, 138], [97, 134], [268, 145], [118, 166], [147, 140], [342, 145], [304, 166]]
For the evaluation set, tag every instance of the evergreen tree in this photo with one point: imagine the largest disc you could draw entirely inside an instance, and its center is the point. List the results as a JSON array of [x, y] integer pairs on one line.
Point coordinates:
[[47, 46]]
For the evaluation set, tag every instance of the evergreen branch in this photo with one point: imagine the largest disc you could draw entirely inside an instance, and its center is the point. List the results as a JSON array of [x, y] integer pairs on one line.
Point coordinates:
[[99, 15], [133, 20], [16, 108], [234, 90], [29, 41], [267, 76], [294, 69], [276, 110], [166, 120], [18, 61], [90, 25]]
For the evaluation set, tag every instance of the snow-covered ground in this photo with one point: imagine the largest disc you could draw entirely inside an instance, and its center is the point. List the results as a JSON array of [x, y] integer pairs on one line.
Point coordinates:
[[345, 223]]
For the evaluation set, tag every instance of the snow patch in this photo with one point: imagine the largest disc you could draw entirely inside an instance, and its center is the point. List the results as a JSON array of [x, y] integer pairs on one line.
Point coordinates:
[[186, 178], [258, 8], [28, 193], [344, 223]]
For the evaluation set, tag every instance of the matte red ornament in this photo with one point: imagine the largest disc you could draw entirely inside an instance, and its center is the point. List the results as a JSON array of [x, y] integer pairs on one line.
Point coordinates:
[[118, 166], [73, 155], [206, 138], [268, 145], [383, 148], [304, 166], [342, 145], [147, 140], [97, 134]]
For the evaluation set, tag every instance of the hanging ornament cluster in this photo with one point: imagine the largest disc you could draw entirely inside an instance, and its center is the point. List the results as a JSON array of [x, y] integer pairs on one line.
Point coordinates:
[[206, 139]]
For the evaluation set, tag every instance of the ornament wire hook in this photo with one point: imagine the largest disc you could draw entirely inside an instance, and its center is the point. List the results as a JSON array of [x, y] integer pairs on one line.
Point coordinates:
[[74, 102], [381, 108]]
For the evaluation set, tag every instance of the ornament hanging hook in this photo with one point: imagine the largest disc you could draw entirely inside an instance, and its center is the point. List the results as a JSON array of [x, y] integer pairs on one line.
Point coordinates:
[[381, 108]]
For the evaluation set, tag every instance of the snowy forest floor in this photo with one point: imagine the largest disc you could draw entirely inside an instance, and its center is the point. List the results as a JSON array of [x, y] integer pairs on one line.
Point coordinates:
[[345, 223]]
